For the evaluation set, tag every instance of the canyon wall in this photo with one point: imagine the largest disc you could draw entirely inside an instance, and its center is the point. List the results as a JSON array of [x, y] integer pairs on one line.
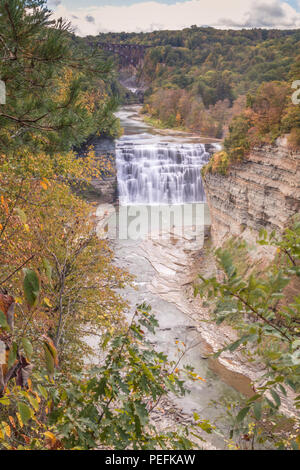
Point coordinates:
[[261, 192]]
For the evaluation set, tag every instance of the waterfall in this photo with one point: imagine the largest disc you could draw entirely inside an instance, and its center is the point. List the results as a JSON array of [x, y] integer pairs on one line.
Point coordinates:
[[160, 173]]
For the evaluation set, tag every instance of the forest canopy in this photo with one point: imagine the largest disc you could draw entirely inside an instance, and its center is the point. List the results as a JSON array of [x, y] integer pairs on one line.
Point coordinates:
[[198, 78]]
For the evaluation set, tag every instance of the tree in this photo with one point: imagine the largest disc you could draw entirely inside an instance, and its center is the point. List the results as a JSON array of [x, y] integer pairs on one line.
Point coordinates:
[[113, 405], [48, 244], [44, 76], [291, 118], [109, 405]]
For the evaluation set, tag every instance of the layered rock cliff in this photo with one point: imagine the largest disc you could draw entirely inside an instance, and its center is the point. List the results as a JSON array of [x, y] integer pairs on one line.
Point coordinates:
[[261, 192]]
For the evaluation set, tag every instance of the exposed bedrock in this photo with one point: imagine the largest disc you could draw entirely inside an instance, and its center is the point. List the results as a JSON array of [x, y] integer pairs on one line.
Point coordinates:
[[262, 192]]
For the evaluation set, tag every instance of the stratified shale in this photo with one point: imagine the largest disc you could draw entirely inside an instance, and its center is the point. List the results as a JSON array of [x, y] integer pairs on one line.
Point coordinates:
[[261, 192]]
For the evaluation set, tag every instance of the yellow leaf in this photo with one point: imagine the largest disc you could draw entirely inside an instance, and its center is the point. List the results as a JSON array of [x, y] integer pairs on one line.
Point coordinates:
[[47, 182], [50, 436], [6, 428], [33, 402], [4, 205], [47, 302], [37, 397], [44, 185], [26, 226], [20, 420]]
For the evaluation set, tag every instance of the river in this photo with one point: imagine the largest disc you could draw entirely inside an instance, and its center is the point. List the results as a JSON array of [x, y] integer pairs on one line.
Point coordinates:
[[159, 176]]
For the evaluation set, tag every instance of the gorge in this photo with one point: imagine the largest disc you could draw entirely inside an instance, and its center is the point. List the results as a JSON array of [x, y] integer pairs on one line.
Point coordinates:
[[152, 170], [163, 258], [149, 233]]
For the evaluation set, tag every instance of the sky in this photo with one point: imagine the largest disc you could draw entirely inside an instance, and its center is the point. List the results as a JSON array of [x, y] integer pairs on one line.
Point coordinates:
[[95, 16]]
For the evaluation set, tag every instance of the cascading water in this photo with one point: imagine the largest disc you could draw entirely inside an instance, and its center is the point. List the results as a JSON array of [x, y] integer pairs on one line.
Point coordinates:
[[164, 173]]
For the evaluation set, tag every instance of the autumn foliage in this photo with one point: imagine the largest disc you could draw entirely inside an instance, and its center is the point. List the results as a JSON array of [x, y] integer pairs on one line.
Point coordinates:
[[57, 281], [270, 114]]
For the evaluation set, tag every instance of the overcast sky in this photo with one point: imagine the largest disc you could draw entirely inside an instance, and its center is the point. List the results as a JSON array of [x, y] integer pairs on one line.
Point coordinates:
[[94, 16]]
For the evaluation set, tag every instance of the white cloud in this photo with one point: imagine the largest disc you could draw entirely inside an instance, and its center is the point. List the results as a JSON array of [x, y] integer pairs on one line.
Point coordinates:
[[54, 3], [151, 15]]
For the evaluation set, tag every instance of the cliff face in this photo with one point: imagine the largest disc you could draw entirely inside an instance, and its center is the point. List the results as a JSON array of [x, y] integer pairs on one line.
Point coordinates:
[[262, 192]]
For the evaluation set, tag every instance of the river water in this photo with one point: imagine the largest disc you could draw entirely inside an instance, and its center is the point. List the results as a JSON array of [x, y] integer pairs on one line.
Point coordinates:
[[160, 172]]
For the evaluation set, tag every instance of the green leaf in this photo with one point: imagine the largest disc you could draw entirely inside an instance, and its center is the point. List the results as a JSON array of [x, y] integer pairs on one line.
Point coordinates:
[[34, 403], [31, 287], [25, 412], [291, 384], [12, 357], [48, 269], [49, 361], [271, 404], [283, 390], [234, 346], [276, 397], [3, 321], [5, 401], [242, 414], [206, 426], [43, 392], [27, 347], [142, 412], [257, 410], [254, 398]]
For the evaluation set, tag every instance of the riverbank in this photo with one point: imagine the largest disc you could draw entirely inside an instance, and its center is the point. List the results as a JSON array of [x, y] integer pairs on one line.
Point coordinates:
[[161, 129]]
